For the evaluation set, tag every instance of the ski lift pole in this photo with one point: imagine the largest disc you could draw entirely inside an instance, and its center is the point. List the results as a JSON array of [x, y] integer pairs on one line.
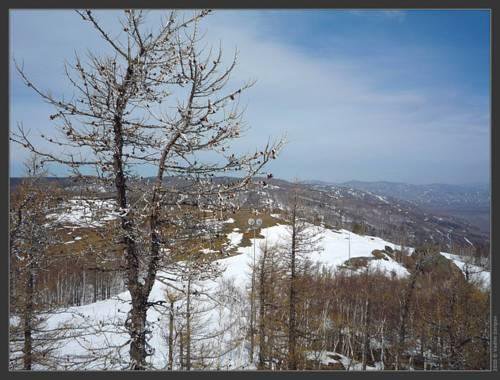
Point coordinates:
[[254, 224]]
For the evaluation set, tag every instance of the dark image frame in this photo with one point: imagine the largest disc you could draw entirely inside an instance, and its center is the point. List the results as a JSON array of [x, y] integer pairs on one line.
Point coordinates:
[[259, 4]]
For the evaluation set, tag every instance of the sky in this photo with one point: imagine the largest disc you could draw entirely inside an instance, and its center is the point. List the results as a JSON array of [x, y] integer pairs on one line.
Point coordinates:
[[393, 95]]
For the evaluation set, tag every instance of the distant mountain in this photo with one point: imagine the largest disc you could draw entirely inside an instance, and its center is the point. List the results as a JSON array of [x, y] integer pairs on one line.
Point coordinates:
[[62, 181], [470, 202], [441, 195]]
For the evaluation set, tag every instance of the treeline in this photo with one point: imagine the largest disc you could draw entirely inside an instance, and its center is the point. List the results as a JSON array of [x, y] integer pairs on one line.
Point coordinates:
[[434, 319]]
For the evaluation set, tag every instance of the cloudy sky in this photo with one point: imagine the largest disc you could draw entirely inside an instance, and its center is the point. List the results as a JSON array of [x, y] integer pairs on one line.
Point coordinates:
[[365, 95]]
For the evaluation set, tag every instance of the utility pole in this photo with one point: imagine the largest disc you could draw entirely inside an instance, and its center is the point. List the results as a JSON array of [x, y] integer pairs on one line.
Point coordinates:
[[254, 225], [348, 236], [349, 232]]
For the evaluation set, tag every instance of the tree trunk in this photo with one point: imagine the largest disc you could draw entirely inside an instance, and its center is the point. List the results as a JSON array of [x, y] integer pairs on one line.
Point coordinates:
[[188, 326], [405, 309], [171, 337], [181, 350], [28, 315], [84, 284], [292, 333], [382, 346], [139, 292], [137, 329], [252, 309], [366, 336], [262, 303], [96, 292]]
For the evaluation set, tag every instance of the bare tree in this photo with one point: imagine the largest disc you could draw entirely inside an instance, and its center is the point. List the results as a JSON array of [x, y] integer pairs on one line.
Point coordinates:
[[30, 239], [366, 320], [303, 238], [172, 297], [270, 279], [155, 100], [424, 256]]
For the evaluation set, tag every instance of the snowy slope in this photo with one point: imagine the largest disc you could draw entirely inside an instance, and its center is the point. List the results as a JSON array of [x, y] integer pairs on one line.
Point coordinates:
[[334, 252], [102, 322], [474, 272]]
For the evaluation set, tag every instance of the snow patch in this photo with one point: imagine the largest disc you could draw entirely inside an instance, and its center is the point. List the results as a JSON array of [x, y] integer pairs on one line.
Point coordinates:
[[86, 212]]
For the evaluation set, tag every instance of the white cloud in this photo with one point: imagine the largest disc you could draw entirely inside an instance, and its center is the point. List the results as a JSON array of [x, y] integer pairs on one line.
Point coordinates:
[[345, 117], [395, 14]]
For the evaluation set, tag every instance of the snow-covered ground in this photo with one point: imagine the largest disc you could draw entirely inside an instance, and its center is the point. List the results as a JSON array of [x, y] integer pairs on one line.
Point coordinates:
[[329, 358], [85, 212], [475, 272], [333, 253], [103, 321]]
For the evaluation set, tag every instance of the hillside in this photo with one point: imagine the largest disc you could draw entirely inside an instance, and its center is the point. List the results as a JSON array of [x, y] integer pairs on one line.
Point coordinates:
[[96, 338], [451, 216]]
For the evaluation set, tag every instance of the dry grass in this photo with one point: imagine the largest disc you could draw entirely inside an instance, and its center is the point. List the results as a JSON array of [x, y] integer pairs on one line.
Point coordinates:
[[100, 240]]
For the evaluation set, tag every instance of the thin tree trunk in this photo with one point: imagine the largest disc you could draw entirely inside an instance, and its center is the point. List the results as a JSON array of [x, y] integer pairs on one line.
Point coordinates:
[[181, 350], [382, 346], [171, 337], [405, 309], [96, 291], [188, 326], [262, 303], [292, 333], [252, 308], [28, 316], [366, 337]]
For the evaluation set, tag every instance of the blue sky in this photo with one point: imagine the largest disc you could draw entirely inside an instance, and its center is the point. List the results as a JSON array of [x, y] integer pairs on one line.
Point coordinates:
[[367, 95]]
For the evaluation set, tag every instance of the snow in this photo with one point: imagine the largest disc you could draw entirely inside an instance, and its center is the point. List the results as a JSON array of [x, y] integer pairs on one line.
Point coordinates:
[[468, 241], [272, 187], [86, 212], [389, 267], [327, 358], [334, 252], [235, 238], [475, 272], [207, 250], [382, 199]]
